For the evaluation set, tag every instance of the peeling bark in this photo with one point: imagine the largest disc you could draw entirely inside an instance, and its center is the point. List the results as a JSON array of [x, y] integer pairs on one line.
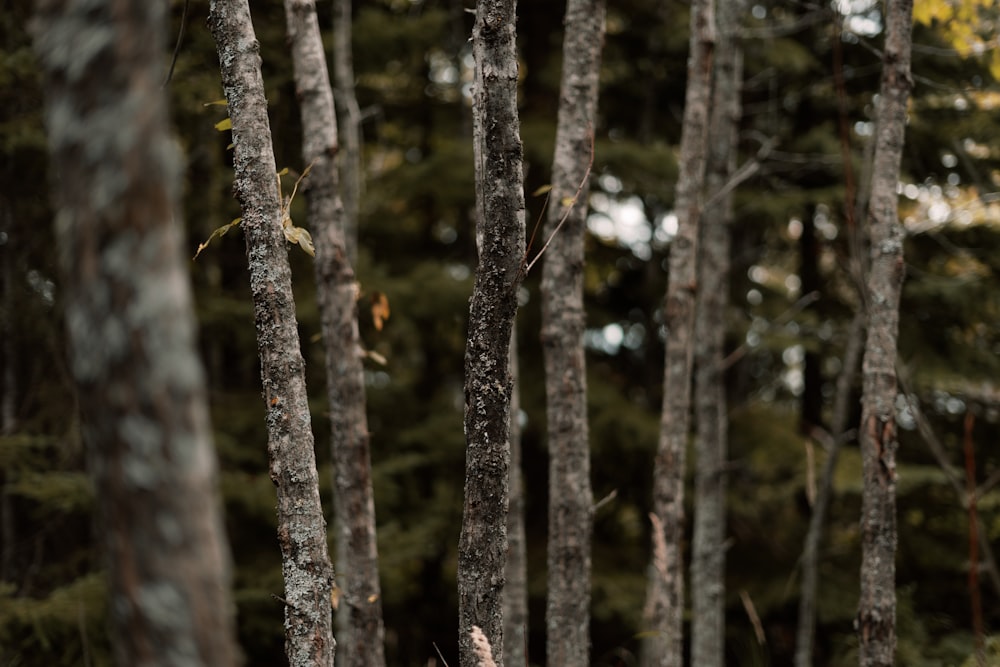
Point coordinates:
[[482, 549], [877, 606], [301, 527], [708, 553], [360, 630], [563, 321], [131, 327], [664, 609]]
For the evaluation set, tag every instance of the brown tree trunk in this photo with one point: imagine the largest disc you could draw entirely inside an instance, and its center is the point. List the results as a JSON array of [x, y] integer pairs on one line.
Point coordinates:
[[482, 549], [877, 606], [350, 124], [708, 555], [563, 321], [301, 527], [359, 629], [515, 593], [664, 610], [132, 336]]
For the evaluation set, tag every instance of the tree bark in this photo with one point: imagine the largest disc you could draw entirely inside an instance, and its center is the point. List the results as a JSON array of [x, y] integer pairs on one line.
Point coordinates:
[[708, 556], [359, 614], [877, 606], [664, 608], [482, 549], [131, 327], [515, 593], [563, 321], [350, 124], [301, 527]]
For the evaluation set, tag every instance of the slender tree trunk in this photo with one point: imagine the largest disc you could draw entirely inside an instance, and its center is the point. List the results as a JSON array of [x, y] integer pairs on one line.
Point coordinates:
[[563, 321], [806, 632], [708, 555], [132, 337], [877, 606], [301, 527], [350, 124], [482, 549], [664, 610], [359, 628], [515, 593]]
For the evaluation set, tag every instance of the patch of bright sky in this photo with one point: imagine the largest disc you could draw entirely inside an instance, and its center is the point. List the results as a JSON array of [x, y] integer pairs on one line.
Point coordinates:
[[861, 17], [623, 220]]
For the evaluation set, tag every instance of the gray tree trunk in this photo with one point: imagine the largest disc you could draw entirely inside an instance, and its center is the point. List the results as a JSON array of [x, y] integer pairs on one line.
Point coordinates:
[[664, 609], [877, 606], [132, 336], [482, 549], [301, 527], [360, 630], [515, 593], [563, 320], [708, 554], [350, 124]]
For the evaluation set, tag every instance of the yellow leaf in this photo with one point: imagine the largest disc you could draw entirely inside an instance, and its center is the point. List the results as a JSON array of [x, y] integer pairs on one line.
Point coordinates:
[[302, 237], [283, 171], [380, 309], [376, 357], [568, 201], [541, 191], [220, 232], [217, 103], [224, 124]]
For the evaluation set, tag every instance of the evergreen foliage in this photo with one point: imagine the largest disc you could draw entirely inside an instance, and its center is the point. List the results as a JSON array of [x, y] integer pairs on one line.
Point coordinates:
[[417, 246]]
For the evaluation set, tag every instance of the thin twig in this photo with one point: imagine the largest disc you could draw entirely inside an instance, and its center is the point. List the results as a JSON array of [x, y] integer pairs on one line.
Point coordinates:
[[793, 310], [434, 644], [177, 47], [605, 500], [569, 209], [746, 170]]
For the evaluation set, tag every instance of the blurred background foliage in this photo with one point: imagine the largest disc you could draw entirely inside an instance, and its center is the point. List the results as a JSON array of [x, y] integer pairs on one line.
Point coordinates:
[[417, 246]]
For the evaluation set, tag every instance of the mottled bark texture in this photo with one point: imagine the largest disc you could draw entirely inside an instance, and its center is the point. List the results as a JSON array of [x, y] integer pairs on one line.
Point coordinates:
[[806, 631], [708, 552], [877, 607], [360, 632], [301, 527], [132, 337], [515, 593], [482, 549], [567, 617], [664, 609], [350, 123]]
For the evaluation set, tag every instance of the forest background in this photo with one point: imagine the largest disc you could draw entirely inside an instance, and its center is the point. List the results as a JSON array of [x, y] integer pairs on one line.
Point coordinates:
[[791, 308]]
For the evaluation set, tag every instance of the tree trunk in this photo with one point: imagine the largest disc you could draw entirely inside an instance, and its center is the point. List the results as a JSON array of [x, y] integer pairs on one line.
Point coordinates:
[[708, 556], [806, 632], [515, 593], [877, 606], [664, 610], [482, 549], [301, 527], [359, 615], [563, 321], [350, 124], [132, 335]]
